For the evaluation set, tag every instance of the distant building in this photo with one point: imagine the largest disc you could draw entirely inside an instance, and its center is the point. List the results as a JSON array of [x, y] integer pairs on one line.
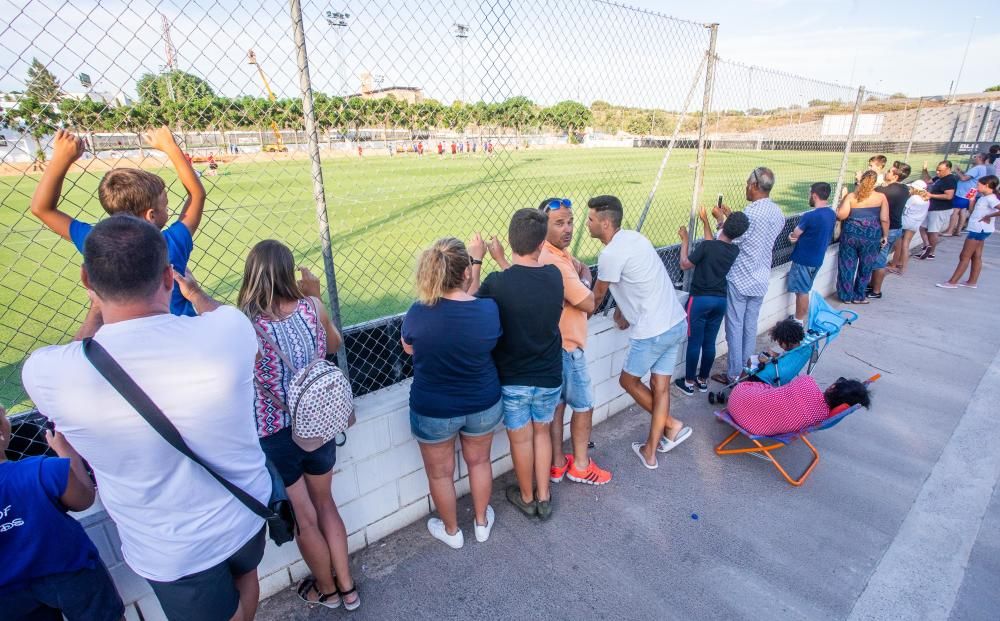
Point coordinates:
[[409, 94]]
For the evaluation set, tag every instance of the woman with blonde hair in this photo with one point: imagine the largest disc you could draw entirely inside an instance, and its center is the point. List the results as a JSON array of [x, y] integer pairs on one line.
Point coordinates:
[[456, 388], [294, 329], [865, 230]]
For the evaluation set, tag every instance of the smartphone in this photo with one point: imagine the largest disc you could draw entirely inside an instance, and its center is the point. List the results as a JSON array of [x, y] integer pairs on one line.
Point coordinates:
[[719, 203]]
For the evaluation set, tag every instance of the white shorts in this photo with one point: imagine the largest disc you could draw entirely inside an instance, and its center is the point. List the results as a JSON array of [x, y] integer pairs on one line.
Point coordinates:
[[937, 221], [912, 223]]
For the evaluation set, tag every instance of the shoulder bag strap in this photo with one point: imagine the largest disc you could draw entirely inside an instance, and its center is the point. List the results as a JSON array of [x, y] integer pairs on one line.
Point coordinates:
[[134, 395]]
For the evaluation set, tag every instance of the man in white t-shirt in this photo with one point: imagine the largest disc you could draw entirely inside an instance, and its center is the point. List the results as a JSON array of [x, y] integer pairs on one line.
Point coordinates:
[[195, 543], [647, 305]]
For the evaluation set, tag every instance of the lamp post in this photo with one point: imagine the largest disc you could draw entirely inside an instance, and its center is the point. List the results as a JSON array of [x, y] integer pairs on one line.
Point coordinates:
[[461, 33], [338, 21], [961, 65]]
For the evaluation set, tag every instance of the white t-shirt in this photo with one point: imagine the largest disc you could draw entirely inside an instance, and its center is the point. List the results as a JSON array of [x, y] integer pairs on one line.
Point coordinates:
[[984, 205], [640, 284], [915, 211], [173, 517]]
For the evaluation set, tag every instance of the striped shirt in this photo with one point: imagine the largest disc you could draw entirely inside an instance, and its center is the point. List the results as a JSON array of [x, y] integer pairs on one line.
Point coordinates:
[[302, 338], [751, 272]]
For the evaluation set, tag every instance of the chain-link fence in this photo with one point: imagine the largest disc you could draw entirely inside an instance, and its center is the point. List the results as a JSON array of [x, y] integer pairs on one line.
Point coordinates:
[[357, 133]]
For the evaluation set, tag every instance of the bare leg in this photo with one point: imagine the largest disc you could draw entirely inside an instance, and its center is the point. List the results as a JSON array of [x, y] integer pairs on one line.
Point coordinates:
[[579, 427], [644, 398], [439, 463], [659, 423], [923, 236], [932, 240], [543, 458], [522, 453], [249, 590], [310, 538], [977, 262], [333, 529], [963, 217], [556, 436], [801, 306], [952, 229], [877, 277], [968, 250], [476, 451], [903, 251]]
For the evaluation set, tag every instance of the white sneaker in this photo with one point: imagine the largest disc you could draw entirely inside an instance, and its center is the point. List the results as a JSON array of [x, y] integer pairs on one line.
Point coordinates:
[[483, 532], [439, 532]]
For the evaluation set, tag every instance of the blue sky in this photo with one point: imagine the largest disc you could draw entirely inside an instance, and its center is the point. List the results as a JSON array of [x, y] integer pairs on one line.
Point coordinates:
[[546, 49], [914, 46]]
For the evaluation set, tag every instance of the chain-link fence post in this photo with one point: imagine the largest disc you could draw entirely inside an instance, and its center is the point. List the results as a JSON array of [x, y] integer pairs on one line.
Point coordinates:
[[951, 137], [319, 190], [913, 130], [706, 107], [670, 145], [849, 143]]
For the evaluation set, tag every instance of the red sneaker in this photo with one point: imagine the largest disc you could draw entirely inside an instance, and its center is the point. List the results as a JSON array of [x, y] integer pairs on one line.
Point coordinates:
[[593, 475], [556, 474]]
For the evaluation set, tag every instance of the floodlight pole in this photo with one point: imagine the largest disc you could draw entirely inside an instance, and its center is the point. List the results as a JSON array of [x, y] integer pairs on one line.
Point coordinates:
[[319, 190], [913, 130], [706, 107]]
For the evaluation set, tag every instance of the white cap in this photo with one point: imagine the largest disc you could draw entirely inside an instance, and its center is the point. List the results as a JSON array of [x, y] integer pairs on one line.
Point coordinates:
[[919, 184]]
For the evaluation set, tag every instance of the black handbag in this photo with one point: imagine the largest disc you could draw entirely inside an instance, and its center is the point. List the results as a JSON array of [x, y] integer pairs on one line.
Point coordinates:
[[278, 514]]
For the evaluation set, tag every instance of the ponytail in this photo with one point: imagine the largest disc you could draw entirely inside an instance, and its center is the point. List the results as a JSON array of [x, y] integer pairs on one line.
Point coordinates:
[[440, 269]]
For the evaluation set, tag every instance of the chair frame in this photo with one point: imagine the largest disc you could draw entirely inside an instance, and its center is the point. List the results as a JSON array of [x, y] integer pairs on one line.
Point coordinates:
[[766, 453]]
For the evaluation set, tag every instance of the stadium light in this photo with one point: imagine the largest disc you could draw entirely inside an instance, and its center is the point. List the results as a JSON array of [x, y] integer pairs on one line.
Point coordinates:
[[338, 21], [961, 66], [461, 33]]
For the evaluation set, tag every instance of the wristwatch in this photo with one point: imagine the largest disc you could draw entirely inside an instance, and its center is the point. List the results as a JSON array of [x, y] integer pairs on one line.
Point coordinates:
[[477, 261]]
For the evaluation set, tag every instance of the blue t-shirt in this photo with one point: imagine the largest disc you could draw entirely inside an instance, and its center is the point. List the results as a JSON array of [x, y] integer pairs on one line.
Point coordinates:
[[37, 537], [967, 189], [817, 232], [179, 247], [453, 369]]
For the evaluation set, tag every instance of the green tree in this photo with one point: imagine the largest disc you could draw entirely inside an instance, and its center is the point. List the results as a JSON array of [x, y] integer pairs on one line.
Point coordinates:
[[36, 118], [517, 113], [156, 89], [992, 89], [570, 116], [639, 125], [42, 84]]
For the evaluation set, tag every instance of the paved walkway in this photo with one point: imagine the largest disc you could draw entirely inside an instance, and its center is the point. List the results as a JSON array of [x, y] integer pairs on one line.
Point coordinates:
[[900, 519]]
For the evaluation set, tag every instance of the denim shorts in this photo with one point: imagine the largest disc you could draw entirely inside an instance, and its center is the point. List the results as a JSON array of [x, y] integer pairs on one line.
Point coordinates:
[[431, 430], [801, 277], [883, 255], [292, 461], [974, 236], [657, 354], [529, 404], [960, 203], [576, 390]]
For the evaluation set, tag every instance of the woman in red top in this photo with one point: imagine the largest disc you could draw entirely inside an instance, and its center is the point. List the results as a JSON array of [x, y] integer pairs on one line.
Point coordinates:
[[765, 410]]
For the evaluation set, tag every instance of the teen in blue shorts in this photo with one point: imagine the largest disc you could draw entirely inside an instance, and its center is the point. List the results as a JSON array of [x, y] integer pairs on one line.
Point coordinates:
[[812, 236], [50, 567]]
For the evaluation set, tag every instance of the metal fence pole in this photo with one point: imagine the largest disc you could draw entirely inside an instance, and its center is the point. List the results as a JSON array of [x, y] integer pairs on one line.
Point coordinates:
[[849, 143], [951, 137], [319, 190], [913, 130], [706, 106], [670, 146]]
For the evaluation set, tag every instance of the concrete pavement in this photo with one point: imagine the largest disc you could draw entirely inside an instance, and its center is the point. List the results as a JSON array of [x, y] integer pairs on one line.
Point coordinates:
[[898, 521]]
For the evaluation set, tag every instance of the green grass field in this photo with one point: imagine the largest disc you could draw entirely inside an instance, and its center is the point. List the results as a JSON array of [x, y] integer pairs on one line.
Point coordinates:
[[382, 211]]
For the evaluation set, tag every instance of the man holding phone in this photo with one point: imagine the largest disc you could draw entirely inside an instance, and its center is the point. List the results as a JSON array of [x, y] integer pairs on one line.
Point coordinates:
[[811, 236]]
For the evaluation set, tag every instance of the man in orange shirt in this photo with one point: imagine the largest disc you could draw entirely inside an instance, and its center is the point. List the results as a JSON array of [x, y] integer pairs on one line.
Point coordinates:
[[578, 305]]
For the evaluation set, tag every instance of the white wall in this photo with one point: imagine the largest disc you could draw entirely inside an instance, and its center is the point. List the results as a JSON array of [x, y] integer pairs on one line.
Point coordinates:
[[379, 481]]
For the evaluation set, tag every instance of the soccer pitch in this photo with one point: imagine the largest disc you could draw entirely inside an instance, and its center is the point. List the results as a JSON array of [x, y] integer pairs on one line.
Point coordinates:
[[382, 212]]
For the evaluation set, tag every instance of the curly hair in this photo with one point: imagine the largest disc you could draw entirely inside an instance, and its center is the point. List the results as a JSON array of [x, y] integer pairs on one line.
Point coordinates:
[[866, 185], [847, 392], [788, 332]]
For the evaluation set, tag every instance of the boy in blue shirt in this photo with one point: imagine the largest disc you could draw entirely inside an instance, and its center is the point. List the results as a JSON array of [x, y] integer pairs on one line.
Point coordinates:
[[811, 237], [129, 191], [50, 567]]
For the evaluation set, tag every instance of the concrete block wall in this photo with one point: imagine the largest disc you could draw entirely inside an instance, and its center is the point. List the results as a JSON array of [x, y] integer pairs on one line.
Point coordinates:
[[379, 482]]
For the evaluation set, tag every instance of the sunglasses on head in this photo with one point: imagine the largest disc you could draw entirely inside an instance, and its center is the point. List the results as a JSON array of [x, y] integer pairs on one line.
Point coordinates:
[[558, 203]]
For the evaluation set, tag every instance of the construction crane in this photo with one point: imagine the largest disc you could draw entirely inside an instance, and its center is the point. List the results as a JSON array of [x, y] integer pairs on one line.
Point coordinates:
[[280, 144]]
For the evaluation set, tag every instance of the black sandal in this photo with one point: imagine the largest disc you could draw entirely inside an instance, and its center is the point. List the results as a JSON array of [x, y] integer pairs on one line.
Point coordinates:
[[309, 584], [343, 597]]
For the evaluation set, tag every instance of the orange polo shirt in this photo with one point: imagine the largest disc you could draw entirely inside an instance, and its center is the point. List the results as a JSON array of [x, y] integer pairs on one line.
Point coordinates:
[[573, 321]]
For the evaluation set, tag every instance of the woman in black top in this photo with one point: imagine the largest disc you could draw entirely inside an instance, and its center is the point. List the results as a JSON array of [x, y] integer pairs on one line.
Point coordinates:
[[706, 307]]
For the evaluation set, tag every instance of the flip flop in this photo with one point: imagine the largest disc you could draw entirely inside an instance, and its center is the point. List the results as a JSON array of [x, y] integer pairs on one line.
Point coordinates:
[[636, 448], [666, 444]]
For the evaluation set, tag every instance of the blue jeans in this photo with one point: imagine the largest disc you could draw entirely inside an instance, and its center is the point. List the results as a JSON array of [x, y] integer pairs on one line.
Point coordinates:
[[705, 315], [657, 354], [801, 278], [529, 404]]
